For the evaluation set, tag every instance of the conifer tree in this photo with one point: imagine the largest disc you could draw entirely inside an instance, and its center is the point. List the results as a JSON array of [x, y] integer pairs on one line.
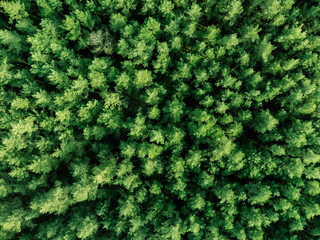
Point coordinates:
[[171, 119]]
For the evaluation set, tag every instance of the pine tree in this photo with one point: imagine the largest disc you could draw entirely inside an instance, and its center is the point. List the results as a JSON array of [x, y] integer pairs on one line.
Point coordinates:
[[169, 119]]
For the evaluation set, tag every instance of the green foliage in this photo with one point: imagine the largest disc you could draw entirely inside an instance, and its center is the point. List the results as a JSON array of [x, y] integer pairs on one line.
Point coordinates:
[[169, 119], [265, 122], [72, 26]]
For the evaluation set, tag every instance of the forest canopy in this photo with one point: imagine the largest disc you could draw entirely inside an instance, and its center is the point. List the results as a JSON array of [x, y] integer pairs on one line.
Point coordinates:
[[159, 119]]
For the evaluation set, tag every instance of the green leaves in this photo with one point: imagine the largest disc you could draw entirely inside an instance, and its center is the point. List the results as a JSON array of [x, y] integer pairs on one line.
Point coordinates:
[[56, 200], [271, 8], [250, 33], [194, 13], [15, 10], [58, 78], [72, 26], [159, 119], [137, 127], [12, 40], [157, 136], [151, 167], [127, 149], [166, 7], [174, 109], [232, 10], [198, 202], [313, 188], [163, 59], [311, 210], [128, 208], [117, 22], [43, 165], [194, 159], [265, 49], [87, 227], [259, 194], [264, 121], [84, 190], [50, 7], [85, 18], [143, 79], [291, 35]]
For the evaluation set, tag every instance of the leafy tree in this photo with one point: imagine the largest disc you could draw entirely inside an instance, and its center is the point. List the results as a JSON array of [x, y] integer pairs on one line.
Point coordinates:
[[169, 119]]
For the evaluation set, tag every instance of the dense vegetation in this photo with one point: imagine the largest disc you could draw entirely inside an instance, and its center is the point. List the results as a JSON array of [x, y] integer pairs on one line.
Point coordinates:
[[171, 119]]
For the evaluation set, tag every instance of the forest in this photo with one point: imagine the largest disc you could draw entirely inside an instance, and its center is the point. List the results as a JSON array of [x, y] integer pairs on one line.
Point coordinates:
[[160, 119]]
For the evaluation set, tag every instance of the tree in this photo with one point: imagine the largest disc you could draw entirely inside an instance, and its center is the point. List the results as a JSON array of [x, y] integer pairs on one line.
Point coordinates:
[[265, 122], [72, 26], [163, 59], [169, 119], [264, 50], [143, 79]]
